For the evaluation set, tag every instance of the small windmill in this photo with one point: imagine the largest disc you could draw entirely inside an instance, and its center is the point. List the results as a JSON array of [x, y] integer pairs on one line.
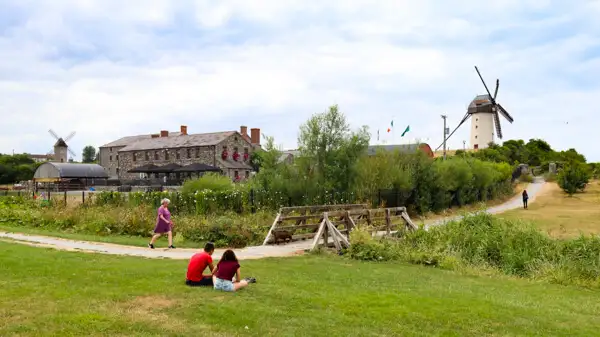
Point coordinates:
[[484, 109], [61, 148]]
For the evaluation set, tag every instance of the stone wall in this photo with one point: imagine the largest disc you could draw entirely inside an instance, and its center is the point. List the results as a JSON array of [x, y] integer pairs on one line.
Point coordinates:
[[204, 155], [231, 143], [109, 159]]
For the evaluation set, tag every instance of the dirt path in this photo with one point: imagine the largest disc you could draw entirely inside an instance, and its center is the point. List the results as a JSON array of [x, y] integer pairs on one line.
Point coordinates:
[[254, 252]]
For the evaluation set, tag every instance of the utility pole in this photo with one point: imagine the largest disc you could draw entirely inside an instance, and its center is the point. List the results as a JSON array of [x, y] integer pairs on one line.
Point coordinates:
[[445, 133]]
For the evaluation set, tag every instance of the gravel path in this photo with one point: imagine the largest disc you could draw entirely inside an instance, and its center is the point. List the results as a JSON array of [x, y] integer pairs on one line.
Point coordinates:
[[255, 252]]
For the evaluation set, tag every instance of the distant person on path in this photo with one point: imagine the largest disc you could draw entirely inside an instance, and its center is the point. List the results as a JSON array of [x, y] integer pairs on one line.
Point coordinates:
[[525, 198], [198, 264], [227, 268], [164, 224]]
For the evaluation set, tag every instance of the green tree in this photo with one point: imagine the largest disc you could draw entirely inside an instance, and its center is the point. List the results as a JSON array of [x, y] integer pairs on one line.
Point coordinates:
[[89, 154], [326, 138], [573, 177], [15, 168]]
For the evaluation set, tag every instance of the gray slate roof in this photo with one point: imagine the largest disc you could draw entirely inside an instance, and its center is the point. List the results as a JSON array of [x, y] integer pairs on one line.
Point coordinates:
[[177, 141], [132, 139]]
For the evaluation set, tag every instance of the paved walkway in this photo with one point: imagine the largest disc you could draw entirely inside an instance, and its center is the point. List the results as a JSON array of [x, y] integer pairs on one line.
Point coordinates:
[[255, 252]]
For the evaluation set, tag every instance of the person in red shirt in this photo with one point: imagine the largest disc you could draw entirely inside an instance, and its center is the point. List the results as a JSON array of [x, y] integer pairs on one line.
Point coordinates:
[[227, 268], [198, 264]]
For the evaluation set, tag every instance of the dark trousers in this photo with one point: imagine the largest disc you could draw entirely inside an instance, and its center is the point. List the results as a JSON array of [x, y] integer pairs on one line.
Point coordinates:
[[207, 281], [524, 203]]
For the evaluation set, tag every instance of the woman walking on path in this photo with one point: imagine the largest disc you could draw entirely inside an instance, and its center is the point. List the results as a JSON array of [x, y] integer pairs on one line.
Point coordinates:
[[226, 269], [164, 224], [525, 198]]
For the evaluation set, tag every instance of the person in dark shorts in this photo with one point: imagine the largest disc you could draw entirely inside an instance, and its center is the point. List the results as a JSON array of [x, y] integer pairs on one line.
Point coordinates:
[[227, 268], [525, 198], [198, 264]]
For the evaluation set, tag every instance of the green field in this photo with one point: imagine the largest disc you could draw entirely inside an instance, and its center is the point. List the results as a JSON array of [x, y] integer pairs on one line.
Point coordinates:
[[52, 293]]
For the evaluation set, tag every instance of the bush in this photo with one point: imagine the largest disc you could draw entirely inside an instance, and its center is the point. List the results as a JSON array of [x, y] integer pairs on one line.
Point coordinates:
[[229, 230], [526, 178], [573, 178], [210, 181], [486, 242]]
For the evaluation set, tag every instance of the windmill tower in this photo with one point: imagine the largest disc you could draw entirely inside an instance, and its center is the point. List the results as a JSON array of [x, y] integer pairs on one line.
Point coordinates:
[[61, 149], [485, 123]]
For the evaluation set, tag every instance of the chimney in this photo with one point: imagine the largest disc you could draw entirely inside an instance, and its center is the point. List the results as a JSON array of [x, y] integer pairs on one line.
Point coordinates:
[[156, 135], [255, 136], [244, 131], [183, 130], [164, 133]]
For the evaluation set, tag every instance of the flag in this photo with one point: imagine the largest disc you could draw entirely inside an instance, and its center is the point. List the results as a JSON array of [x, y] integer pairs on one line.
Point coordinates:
[[391, 126], [405, 131], [389, 129]]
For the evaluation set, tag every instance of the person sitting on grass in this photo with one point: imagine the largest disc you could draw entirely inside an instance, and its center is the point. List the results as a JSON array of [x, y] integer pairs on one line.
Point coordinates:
[[198, 264], [227, 268]]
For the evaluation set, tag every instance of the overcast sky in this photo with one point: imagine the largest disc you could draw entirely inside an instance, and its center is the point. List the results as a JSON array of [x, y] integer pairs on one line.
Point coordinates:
[[108, 69]]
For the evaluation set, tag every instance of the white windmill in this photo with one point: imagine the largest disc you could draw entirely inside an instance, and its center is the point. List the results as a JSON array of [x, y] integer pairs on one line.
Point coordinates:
[[484, 110]]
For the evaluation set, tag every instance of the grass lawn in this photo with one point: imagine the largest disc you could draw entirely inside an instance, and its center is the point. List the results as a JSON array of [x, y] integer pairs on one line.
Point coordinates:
[[560, 215], [47, 292]]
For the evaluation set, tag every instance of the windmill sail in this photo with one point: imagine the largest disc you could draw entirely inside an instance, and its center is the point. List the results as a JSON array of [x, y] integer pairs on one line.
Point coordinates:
[[497, 124]]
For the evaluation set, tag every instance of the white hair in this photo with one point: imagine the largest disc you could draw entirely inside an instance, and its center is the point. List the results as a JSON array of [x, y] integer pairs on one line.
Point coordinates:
[[165, 200]]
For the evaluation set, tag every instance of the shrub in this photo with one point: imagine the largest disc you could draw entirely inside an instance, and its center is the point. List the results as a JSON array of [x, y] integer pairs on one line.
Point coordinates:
[[487, 242], [573, 178], [210, 181]]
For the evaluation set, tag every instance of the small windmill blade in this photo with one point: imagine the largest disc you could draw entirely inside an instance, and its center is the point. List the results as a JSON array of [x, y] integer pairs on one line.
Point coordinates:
[[496, 91], [504, 113], [459, 124], [485, 85], [53, 134], [70, 136], [497, 124], [71, 152]]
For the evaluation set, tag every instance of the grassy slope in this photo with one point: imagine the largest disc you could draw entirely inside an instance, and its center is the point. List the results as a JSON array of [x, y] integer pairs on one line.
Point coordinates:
[[562, 216], [47, 292]]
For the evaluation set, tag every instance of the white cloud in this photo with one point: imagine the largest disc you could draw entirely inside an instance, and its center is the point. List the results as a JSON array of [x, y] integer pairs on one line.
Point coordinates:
[[109, 68]]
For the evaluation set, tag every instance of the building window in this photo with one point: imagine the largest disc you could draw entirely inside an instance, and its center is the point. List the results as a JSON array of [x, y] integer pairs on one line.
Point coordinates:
[[110, 149], [117, 158], [146, 156], [188, 153], [477, 119], [155, 155], [117, 170], [475, 137], [197, 152], [110, 158], [476, 126], [134, 156], [176, 154], [247, 174], [167, 154]]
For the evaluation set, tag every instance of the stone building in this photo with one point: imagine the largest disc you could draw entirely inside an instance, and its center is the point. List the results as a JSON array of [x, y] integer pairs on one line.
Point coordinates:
[[229, 151]]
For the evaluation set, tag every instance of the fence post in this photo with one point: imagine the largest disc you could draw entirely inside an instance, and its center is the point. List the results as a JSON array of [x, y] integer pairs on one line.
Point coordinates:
[[289, 201], [82, 197], [65, 198]]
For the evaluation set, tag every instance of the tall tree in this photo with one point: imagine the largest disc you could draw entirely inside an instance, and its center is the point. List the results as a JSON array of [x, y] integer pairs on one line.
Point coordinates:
[[89, 154], [326, 138]]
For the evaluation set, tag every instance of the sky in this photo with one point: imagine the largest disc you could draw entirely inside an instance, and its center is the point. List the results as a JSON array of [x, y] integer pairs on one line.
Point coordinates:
[[108, 69]]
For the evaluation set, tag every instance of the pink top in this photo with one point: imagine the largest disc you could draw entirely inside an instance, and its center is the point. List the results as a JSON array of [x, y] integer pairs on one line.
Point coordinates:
[[165, 213]]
